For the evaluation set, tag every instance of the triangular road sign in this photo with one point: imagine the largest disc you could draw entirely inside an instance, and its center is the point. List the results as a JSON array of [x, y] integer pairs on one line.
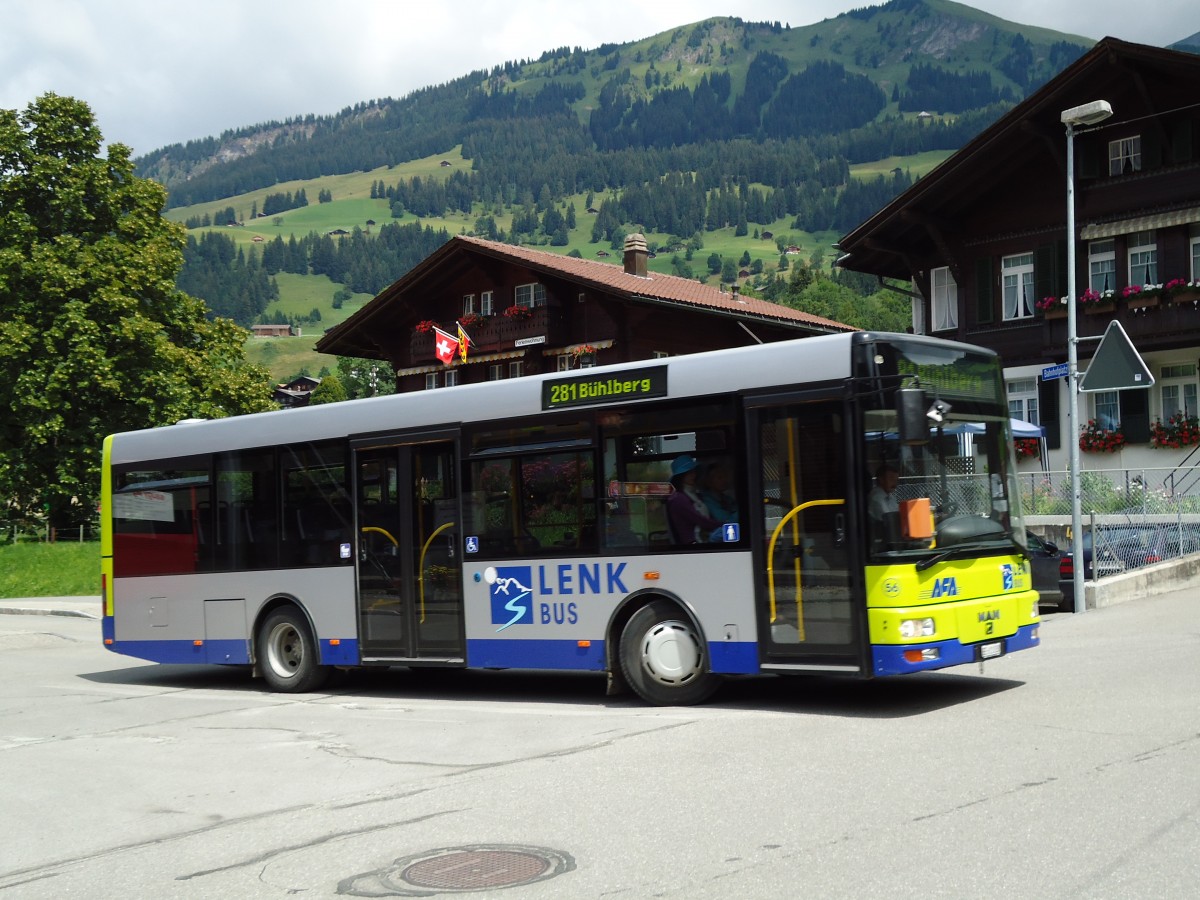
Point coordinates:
[[1116, 365]]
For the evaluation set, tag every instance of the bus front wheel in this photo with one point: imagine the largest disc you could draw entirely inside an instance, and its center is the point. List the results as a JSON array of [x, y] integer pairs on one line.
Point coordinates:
[[287, 653], [663, 658]]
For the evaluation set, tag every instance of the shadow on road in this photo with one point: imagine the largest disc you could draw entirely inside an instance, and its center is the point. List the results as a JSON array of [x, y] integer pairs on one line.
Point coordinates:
[[897, 697]]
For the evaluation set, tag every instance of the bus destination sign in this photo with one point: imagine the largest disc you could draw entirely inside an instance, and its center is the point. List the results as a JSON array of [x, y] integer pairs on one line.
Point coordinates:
[[605, 387]]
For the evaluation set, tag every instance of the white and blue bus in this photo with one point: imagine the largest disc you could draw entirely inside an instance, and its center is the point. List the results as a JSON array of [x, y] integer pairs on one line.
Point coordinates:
[[524, 524]]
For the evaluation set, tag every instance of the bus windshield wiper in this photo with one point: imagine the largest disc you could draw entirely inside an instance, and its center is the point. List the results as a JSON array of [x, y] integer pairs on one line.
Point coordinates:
[[974, 547]]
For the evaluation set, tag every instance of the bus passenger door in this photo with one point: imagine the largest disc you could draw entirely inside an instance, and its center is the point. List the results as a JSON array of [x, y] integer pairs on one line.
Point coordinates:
[[808, 616], [409, 566]]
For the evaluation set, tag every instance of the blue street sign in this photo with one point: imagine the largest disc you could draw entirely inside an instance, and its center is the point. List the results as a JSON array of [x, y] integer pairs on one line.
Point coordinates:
[[1051, 372]]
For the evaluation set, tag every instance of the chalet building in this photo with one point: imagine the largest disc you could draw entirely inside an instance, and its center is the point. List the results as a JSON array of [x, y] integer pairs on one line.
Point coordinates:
[[983, 239], [272, 330], [296, 392], [529, 311]]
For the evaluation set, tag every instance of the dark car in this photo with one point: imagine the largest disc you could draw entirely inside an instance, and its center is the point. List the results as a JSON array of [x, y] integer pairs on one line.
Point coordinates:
[[1121, 547], [1044, 565]]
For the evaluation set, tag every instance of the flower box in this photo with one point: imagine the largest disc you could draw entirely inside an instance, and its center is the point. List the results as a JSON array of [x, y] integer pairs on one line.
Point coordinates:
[[1191, 295], [1143, 302], [1056, 313], [1099, 309]]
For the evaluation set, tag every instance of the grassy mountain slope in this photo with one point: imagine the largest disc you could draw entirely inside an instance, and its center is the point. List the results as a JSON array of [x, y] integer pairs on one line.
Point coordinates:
[[552, 101]]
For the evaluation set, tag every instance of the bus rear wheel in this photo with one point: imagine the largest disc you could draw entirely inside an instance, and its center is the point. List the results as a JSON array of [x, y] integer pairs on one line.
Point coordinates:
[[287, 653], [663, 658]]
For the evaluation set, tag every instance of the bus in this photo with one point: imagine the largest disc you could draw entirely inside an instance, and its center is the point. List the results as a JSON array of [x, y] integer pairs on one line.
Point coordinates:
[[526, 523]]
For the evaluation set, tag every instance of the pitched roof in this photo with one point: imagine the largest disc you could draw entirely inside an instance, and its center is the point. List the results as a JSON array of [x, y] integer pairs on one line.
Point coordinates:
[[1000, 153], [609, 277]]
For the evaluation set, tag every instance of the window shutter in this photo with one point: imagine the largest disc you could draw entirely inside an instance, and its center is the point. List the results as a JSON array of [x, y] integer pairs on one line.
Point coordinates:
[[1151, 150], [1045, 279], [1182, 138], [1048, 407], [1135, 416], [1087, 158], [983, 291]]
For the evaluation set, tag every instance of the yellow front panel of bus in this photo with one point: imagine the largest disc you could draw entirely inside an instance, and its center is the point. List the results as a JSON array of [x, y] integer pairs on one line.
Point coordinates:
[[968, 600]]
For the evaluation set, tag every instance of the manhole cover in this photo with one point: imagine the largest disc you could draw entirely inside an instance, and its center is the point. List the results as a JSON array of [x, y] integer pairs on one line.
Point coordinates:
[[460, 870]]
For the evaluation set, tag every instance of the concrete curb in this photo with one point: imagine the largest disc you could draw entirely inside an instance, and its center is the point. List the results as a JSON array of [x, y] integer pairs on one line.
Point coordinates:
[[27, 611], [73, 607]]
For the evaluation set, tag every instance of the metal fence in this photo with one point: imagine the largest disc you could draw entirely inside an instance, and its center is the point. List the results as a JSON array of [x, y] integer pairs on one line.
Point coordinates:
[[1133, 517]]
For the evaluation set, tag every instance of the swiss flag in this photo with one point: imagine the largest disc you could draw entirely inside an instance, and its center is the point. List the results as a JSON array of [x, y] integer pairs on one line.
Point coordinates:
[[445, 346]]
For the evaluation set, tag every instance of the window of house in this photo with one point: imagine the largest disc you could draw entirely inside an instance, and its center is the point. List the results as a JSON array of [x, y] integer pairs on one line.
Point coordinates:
[[469, 304], [659, 354], [1177, 390], [1018, 286], [485, 303], [1102, 264], [530, 295], [431, 381], [1108, 409], [945, 300], [451, 377], [516, 369], [1143, 258], [564, 362], [1196, 259], [1023, 400], [495, 372], [1125, 155]]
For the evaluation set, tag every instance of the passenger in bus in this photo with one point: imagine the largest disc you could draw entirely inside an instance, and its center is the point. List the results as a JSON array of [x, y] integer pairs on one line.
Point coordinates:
[[688, 518], [883, 507], [715, 493]]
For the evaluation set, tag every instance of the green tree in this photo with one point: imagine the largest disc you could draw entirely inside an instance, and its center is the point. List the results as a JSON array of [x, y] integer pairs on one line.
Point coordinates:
[[96, 336], [330, 390]]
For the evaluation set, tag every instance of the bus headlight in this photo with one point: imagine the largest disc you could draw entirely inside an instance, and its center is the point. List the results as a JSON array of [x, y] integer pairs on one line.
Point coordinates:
[[914, 628]]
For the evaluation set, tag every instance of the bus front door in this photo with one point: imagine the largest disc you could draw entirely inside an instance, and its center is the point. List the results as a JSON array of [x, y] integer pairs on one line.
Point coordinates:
[[409, 570], [807, 618]]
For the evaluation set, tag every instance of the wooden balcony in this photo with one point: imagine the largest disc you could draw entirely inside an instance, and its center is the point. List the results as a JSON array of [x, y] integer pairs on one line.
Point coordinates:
[[497, 333]]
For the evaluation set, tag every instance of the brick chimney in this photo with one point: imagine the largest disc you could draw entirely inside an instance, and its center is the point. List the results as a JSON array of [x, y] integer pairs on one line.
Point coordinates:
[[636, 255]]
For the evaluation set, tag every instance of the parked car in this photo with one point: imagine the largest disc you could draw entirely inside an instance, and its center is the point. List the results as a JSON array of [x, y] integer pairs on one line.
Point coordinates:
[[1044, 565], [1165, 542], [1121, 547]]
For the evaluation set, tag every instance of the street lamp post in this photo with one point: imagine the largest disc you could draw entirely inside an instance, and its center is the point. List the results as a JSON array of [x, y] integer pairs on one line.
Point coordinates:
[[1086, 115]]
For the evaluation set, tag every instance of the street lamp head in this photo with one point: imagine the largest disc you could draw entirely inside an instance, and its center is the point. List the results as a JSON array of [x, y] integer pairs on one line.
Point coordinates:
[[1088, 114]]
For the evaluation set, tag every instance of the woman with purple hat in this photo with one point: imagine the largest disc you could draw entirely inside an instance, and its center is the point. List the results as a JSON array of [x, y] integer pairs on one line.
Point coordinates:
[[689, 519]]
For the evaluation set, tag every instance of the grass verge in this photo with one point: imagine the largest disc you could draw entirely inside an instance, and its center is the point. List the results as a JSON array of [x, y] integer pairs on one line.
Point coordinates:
[[50, 570]]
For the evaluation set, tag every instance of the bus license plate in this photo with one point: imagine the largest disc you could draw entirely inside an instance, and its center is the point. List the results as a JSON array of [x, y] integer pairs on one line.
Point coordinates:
[[992, 650]]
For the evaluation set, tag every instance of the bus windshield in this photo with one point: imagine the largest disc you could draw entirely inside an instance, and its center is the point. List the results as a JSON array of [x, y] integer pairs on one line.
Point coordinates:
[[940, 456]]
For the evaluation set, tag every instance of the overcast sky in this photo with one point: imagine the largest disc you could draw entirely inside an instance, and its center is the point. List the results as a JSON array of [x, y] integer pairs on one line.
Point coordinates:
[[157, 73]]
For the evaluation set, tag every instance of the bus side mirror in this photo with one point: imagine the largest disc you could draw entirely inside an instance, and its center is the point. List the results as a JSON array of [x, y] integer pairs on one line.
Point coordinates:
[[910, 414]]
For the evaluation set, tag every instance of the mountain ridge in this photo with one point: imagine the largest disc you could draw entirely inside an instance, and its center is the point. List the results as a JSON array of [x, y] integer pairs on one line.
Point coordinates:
[[879, 44]]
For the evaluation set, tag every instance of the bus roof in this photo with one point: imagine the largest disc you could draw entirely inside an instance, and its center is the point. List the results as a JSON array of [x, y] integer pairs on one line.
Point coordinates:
[[818, 359]]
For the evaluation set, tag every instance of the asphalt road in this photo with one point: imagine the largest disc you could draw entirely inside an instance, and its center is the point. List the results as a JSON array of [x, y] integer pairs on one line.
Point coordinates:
[[1069, 771]]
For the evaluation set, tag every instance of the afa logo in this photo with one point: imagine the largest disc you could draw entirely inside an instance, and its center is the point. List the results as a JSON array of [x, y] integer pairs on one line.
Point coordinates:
[[945, 587], [511, 592]]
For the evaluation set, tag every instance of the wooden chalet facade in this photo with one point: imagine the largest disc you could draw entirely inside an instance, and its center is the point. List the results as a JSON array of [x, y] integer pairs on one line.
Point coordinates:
[[528, 311], [983, 239]]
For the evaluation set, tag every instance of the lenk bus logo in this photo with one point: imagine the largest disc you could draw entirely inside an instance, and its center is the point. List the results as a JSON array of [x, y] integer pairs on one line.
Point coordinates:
[[511, 591]]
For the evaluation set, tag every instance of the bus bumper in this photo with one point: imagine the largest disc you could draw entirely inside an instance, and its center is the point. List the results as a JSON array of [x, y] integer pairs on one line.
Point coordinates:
[[901, 659]]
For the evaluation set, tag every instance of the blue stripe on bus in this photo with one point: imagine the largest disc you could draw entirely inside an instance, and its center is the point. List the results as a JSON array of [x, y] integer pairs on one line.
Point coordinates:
[[889, 660], [534, 654], [733, 657], [234, 652]]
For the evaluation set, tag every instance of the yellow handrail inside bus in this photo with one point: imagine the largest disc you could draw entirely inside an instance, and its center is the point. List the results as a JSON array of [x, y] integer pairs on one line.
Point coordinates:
[[421, 567], [395, 543], [771, 562]]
